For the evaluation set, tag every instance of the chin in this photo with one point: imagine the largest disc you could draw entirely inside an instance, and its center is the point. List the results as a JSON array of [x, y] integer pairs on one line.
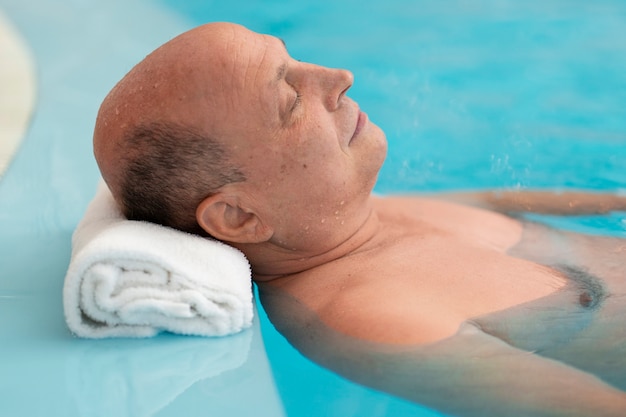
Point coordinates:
[[381, 150], [379, 138], [373, 156]]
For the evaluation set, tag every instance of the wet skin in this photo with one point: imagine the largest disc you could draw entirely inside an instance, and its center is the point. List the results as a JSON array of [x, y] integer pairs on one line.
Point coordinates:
[[450, 302], [557, 339]]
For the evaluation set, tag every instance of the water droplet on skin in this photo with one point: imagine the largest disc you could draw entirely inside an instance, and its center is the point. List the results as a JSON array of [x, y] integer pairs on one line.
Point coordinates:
[[323, 221]]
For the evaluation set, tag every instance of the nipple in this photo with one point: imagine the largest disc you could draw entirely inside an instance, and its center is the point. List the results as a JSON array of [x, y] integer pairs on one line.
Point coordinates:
[[585, 299]]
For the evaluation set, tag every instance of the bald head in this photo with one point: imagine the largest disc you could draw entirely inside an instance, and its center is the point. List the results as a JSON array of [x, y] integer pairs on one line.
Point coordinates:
[[155, 139], [175, 137], [169, 86]]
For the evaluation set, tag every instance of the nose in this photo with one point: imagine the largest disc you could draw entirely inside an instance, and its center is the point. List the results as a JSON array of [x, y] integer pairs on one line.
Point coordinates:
[[336, 83]]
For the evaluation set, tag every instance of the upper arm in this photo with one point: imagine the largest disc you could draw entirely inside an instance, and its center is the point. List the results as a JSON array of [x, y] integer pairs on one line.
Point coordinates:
[[474, 372], [470, 373], [388, 320]]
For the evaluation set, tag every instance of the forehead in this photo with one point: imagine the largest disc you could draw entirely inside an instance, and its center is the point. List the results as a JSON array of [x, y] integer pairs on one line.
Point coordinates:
[[255, 55], [247, 71]]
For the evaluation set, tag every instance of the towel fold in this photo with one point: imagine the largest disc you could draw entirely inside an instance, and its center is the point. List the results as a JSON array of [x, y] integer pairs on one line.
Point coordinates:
[[134, 279]]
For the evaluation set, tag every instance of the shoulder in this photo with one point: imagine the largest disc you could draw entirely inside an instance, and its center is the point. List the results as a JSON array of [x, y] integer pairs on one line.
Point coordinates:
[[373, 313], [382, 318], [463, 221]]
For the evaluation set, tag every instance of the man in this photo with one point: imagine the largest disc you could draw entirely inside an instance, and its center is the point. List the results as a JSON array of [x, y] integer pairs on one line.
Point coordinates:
[[220, 132]]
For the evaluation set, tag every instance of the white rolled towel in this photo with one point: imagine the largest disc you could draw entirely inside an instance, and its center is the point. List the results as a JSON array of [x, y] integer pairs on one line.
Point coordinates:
[[135, 279]]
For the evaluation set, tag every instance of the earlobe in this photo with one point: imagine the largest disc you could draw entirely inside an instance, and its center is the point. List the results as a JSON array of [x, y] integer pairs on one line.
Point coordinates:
[[222, 217]]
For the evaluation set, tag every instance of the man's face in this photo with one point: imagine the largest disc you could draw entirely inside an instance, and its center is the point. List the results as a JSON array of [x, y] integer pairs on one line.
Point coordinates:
[[310, 155]]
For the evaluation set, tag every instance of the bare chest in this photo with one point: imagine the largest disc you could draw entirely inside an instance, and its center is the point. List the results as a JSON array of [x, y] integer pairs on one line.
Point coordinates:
[[446, 274], [434, 276]]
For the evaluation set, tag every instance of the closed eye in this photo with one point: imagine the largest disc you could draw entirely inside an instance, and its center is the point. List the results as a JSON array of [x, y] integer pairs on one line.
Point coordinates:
[[296, 102]]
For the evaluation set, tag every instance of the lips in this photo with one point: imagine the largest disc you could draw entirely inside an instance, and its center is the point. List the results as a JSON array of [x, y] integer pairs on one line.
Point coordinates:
[[360, 122]]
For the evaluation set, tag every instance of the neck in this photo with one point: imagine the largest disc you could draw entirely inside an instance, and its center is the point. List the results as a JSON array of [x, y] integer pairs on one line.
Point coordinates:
[[270, 261]]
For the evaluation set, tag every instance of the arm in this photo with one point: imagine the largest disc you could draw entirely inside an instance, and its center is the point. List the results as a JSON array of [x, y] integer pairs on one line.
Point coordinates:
[[470, 374], [542, 202], [475, 374]]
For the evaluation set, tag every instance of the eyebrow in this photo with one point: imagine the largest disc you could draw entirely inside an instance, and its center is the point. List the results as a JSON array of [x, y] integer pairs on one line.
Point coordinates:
[[280, 72]]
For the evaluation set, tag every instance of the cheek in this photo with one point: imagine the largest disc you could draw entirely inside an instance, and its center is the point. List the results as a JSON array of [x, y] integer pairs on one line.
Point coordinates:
[[320, 170], [309, 158]]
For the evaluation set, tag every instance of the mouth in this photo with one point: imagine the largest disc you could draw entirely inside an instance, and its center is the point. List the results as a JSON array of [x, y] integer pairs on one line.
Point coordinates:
[[360, 123]]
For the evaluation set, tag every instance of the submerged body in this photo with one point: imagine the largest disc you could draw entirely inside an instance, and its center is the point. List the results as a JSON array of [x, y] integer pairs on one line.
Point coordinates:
[[457, 307], [442, 264]]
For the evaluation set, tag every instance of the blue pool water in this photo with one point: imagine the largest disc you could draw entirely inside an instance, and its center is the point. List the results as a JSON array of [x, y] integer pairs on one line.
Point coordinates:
[[471, 94]]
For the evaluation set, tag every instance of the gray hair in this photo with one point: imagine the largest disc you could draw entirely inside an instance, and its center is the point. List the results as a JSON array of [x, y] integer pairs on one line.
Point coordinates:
[[168, 169]]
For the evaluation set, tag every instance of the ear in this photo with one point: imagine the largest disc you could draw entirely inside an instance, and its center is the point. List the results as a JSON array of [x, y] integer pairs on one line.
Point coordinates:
[[222, 216]]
